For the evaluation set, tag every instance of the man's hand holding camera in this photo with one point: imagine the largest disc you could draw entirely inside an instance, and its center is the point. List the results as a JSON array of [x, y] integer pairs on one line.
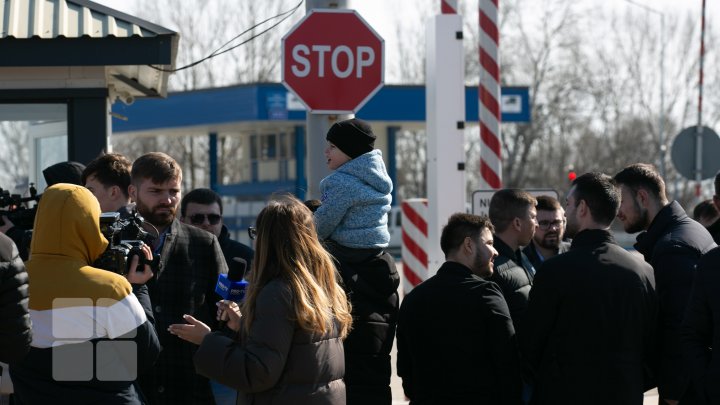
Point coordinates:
[[142, 275]]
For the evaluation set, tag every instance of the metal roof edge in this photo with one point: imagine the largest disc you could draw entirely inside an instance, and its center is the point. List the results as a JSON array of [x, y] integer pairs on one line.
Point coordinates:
[[157, 29]]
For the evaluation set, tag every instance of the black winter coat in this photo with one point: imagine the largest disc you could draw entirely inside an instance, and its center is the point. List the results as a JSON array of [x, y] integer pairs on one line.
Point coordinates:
[[673, 245], [700, 331], [15, 332], [371, 280], [456, 342], [590, 324], [191, 260], [514, 275]]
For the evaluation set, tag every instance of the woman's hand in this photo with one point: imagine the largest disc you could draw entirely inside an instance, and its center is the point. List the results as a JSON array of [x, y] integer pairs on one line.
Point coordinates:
[[229, 311], [193, 331], [140, 277]]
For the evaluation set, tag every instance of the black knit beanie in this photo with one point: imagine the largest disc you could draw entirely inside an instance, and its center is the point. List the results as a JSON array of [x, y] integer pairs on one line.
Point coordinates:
[[354, 137], [64, 172]]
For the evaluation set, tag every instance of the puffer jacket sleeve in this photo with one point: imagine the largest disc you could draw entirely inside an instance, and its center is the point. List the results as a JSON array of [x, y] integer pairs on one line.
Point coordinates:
[[256, 364], [338, 196], [15, 332]]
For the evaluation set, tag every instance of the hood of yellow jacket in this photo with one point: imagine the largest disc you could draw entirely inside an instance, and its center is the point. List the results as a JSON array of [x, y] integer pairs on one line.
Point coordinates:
[[67, 224], [66, 241]]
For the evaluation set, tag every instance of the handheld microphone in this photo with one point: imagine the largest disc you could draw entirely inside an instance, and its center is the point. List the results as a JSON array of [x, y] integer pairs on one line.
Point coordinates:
[[231, 286]]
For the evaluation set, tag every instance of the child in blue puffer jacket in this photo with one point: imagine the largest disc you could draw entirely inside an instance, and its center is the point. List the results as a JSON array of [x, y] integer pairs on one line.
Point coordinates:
[[352, 223], [356, 197]]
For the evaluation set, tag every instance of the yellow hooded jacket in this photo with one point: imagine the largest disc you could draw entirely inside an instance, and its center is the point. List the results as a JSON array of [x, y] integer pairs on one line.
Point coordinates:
[[69, 299], [92, 334]]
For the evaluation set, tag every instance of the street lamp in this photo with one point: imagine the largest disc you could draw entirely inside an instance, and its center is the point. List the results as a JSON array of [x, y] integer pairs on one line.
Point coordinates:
[[661, 126]]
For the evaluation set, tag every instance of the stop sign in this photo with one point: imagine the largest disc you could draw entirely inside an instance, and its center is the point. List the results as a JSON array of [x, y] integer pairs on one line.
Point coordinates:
[[333, 61]]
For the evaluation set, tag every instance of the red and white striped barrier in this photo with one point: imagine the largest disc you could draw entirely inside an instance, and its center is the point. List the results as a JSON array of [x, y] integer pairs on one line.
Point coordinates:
[[414, 242], [448, 6], [489, 94]]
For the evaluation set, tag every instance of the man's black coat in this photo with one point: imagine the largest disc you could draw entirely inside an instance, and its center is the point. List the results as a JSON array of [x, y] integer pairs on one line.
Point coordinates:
[[700, 331], [191, 260], [673, 245], [371, 280], [590, 324], [456, 342]]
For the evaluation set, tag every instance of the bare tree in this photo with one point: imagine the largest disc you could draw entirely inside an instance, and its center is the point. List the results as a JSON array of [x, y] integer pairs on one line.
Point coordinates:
[[14, 155], [204, 28]]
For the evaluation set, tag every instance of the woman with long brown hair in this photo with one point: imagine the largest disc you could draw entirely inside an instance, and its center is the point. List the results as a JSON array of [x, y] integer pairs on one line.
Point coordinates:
[[288, 342]]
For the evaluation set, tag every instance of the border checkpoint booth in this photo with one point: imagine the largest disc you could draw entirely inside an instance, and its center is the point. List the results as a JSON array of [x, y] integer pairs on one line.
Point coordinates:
[[63, 63]]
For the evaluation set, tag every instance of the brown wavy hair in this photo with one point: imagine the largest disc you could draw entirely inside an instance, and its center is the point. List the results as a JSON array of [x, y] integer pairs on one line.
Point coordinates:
[[287, 246]]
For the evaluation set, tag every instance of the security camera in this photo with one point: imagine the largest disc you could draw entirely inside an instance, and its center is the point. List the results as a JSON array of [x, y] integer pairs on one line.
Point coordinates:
[[126, 98]]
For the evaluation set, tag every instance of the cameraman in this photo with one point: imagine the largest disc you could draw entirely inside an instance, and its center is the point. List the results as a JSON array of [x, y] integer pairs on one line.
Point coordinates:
[[92, 329]]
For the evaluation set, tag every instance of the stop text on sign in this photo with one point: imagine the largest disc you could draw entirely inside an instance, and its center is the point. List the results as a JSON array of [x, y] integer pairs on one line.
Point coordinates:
[[343, 60], [333, 61]]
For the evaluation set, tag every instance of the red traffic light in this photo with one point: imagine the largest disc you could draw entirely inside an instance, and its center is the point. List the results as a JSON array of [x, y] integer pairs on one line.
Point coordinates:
[[572, 176]]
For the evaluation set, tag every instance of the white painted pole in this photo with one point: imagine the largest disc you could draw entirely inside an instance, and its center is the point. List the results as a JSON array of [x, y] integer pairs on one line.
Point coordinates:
[[445, 114]]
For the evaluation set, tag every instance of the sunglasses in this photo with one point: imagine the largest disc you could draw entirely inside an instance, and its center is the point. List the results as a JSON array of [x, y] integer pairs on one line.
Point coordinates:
[[199, 219], [252, 232]]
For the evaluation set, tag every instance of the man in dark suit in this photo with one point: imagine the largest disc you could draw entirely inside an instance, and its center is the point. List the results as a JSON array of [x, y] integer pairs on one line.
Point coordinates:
[[455, 339], [184, 283], [673, 244], [700, 331], [592, 311]]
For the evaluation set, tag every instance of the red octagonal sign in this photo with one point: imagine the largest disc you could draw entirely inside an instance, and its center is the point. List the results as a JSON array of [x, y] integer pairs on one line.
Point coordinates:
[[333, 61]]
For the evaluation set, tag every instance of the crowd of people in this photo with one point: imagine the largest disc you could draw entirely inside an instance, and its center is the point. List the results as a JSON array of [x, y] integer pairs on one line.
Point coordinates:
[[535, 304]]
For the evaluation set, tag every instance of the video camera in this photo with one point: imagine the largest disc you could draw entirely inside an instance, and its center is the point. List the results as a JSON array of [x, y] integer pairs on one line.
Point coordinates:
[[17, 208], [126, 237]]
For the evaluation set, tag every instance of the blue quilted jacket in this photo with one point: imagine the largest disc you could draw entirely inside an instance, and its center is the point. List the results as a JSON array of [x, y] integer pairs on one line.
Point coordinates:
[[355, 202]]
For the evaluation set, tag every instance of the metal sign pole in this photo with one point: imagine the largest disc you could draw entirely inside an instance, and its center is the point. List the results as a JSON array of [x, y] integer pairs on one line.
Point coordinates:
[[698, 142]]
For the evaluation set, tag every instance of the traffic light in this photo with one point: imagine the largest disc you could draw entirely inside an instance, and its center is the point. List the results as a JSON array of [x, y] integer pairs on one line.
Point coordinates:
[[572, 175]]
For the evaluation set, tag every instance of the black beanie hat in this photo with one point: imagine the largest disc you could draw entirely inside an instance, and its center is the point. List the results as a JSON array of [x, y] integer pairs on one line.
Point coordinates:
[[354, 137], [64, 172]]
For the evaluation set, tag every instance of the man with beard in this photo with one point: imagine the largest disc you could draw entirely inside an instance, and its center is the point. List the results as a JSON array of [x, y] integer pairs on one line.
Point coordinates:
[[455, 339], [512, 212], [184, 283], [592, 311], [673, 244], [548, 239]]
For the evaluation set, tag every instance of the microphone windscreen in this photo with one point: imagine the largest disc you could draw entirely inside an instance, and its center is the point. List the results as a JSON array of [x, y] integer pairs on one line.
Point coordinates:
[[236, 269]]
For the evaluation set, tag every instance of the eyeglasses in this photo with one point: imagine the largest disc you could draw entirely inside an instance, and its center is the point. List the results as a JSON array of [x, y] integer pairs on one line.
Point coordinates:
[[252, 232], [199, 219], [545, 225]]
